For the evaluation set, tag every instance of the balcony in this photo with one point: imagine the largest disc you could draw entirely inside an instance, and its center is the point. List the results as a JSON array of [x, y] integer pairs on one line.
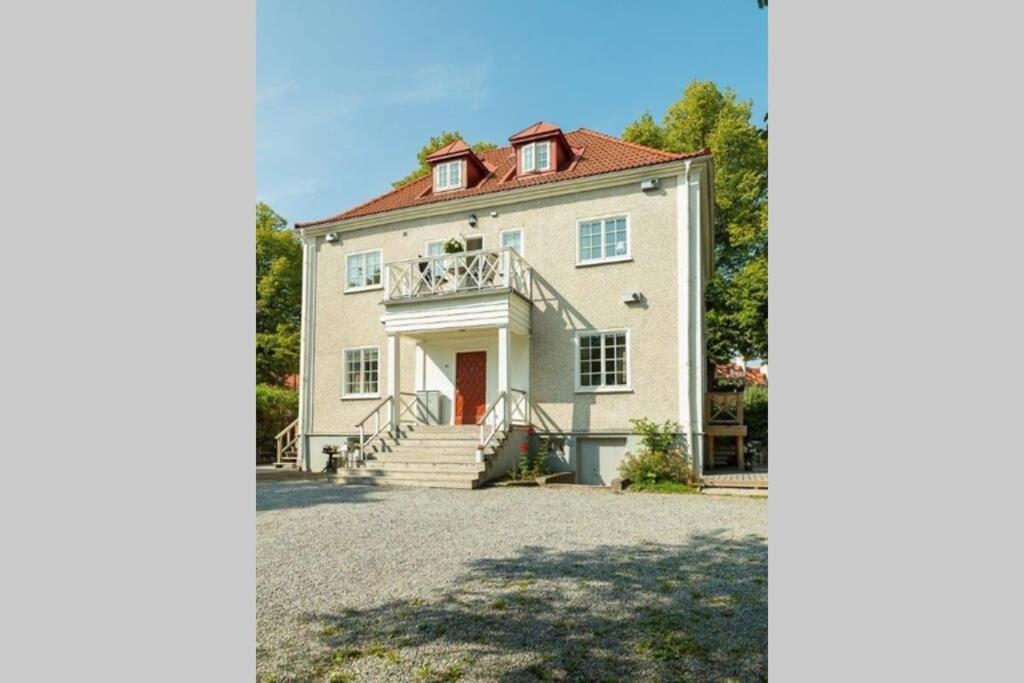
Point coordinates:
[[462, 273], [488, 288]]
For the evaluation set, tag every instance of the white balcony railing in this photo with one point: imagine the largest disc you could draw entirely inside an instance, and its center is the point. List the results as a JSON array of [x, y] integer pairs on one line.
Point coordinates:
[[470, 271]]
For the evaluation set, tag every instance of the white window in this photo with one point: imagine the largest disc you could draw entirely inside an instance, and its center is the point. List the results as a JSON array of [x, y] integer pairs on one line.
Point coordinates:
[[602, 361], [361, 373], [514, 239], [448, 176], [362, 271], [603, 239], [536, 156]]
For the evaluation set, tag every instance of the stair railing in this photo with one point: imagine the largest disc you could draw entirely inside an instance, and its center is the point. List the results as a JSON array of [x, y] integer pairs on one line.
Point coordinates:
[[496, 417], [520, 407], [378, 425], [287, 439]]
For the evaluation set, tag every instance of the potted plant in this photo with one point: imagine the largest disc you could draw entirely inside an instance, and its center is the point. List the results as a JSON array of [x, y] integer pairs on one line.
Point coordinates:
[[453, 246]]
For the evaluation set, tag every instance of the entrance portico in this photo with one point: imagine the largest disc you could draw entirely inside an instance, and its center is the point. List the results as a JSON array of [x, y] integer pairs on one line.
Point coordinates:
[[469, 314]]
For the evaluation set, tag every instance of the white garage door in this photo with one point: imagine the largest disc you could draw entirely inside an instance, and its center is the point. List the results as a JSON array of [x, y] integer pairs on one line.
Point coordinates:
[[599, 460]]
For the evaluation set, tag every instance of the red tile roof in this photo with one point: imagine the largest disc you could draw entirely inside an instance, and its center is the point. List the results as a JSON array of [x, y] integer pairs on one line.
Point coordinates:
[[735, 371], [597, 153]]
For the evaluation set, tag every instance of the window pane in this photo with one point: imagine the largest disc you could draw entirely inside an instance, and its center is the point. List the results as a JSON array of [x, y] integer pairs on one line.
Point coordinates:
[[455, 173], [513, 239], [352, 372], [542, 155], [615, 359], [370, 367], [615, 237], [528, 158], [590, 241], [355, 271], [373, 268]]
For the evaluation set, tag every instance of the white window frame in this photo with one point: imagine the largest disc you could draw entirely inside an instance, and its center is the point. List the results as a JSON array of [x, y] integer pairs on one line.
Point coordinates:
[[522, 239], [628, 256], [448, 185], [533, 157], [364, 287], [603, 389], [345, 393]]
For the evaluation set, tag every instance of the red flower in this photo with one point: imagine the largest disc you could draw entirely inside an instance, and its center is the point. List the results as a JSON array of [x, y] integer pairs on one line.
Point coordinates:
[[523, 447]]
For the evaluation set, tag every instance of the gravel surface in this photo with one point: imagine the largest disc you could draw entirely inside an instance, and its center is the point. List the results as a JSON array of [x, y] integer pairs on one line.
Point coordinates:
[[359, 583]]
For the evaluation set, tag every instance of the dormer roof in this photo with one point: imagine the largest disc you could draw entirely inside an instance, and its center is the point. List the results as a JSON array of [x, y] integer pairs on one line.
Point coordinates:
[[537, 130], [452, 149]]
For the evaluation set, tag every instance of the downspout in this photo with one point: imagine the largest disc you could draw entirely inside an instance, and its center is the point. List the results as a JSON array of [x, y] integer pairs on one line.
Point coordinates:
[[684, 293], [306, 336]]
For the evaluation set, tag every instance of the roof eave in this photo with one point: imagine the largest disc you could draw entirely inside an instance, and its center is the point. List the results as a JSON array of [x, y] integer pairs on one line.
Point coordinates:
[[501, 197]]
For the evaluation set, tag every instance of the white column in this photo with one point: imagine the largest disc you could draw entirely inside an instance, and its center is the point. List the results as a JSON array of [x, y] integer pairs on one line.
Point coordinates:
[[394, 379], [505, 366]]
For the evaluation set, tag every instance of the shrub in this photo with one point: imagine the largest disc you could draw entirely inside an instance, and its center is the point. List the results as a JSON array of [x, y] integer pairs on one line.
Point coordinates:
[[276, 407], [755, 414], [653, 437], [659, 458]]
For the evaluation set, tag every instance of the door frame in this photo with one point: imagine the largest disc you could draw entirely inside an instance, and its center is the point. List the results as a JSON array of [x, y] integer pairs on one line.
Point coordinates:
[[455, 376]]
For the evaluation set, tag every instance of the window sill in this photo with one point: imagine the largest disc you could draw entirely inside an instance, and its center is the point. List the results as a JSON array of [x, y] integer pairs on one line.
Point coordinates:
[[356, 290], [358, 397], [604, 390], [601, 262]]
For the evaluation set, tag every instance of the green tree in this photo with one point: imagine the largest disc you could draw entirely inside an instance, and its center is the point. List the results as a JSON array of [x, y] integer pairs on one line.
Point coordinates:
[[436, 143], [278, 297], [737, 295]]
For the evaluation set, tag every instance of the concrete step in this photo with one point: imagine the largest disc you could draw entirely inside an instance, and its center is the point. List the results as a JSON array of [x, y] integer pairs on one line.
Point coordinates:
[[451, 429], [469, 469], [388, 473], [413, 482], [420, 456]]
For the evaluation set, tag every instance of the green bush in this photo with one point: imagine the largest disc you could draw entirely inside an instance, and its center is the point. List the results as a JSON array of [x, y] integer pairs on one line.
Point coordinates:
[[276, 407], [653, 437], [755, 413], [660, 458]]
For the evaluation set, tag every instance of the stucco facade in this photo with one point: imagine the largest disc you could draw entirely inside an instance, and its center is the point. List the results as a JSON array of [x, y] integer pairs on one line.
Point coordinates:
[[665, 352]]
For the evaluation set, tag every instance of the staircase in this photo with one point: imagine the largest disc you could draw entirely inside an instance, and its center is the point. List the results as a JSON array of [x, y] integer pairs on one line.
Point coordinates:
[[428, 456]]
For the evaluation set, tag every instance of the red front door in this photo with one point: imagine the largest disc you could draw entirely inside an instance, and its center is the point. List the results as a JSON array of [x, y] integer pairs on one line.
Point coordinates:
[[470, 387]]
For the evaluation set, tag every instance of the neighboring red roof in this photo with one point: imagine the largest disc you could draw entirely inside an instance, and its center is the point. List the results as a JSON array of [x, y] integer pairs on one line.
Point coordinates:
[[536, 129], [734, 371], [597, 153], [450, 148]]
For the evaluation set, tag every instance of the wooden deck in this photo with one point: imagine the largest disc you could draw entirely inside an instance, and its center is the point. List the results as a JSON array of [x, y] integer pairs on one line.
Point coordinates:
[[736, 479]]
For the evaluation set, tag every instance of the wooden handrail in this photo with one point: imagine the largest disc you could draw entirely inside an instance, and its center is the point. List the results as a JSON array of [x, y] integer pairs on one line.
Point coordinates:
[[286, 439], [723, 407]]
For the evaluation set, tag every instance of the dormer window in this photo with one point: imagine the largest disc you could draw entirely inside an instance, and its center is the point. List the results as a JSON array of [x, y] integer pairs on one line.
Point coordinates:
[[448, 176], [536, 156]]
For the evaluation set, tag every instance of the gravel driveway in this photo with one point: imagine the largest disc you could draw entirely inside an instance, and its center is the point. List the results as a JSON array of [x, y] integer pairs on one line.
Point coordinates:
[[374, 584]]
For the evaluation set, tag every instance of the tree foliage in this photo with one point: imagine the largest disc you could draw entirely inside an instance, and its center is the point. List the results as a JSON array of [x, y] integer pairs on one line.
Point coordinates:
[[278, 297], [436, 143], [737, 295]]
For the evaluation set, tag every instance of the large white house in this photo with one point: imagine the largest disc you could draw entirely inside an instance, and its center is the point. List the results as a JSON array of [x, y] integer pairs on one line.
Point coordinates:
[[575, 304]]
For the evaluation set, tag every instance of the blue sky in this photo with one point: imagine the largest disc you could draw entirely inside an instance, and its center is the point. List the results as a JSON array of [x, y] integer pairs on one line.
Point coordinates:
[[347, 92]]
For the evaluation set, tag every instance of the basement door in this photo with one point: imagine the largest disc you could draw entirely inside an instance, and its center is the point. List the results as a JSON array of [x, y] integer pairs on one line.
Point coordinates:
[[470, 386], [599, 460]]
